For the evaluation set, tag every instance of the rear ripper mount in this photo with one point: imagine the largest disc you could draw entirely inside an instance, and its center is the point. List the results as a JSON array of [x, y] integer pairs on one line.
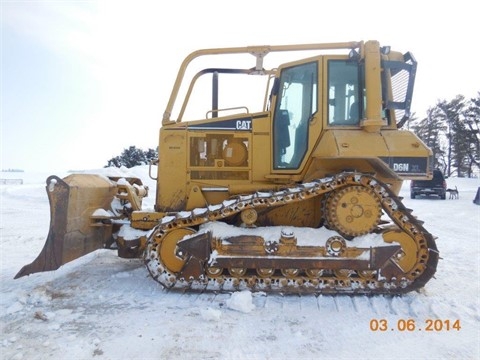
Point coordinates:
[[181, 257]]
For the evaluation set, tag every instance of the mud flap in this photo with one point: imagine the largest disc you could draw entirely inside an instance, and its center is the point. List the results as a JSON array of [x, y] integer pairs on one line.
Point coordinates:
[[72, 232]]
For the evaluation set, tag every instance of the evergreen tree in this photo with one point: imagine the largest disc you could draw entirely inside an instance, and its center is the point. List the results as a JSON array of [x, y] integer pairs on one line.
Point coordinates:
[[429, 130], [452, 130], [151, 154], [133, 157], [452, 113], [472, 134]]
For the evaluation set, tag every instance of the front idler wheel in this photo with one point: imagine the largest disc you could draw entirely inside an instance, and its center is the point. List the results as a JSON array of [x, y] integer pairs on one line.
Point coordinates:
[[172, 257]]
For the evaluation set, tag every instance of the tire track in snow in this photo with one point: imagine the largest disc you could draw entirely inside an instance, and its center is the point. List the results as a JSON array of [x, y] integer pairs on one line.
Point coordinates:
[[308, 303], [326, 303], [343, 303], [361, 304], [400, 305], [381, 305], [260, 300]]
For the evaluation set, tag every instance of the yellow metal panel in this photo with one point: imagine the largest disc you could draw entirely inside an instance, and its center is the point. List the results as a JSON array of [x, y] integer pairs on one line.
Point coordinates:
[[261, 148], [355, 143], [373, 87], [405, 143], [351, 143], [172, 177]]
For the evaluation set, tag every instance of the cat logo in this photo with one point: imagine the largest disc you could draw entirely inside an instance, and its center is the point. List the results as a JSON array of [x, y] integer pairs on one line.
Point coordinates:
[[244, 124]]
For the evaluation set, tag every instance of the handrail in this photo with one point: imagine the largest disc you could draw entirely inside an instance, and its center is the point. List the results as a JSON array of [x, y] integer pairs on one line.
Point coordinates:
[[258, 51], [153, 162], [226, 109]]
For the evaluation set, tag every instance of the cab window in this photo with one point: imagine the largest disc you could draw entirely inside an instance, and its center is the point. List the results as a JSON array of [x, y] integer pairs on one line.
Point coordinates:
[[296, 103], [345, 99]]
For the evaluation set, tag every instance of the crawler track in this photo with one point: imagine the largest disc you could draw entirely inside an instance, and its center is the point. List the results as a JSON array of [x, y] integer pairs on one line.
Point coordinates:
[[179, 263]]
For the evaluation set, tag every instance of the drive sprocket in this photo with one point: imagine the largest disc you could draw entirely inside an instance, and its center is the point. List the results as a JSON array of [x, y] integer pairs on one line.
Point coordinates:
[[353, 210]]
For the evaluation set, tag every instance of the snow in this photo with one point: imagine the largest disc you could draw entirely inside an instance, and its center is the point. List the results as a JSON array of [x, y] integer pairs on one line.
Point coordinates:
[[102, 213], [241, 301], [129, 233], [304, 236], [101, 306]]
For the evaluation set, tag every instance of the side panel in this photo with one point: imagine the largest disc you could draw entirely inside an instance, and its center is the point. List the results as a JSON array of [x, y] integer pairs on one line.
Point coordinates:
[[262, 156], [172, 176], [409, 156], [206, 161], [391, 154]]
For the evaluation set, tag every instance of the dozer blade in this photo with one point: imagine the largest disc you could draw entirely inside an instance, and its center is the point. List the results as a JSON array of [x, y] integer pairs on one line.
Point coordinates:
[[72, 232]]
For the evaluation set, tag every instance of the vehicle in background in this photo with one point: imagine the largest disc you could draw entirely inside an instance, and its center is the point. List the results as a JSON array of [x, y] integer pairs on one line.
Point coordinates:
[[436, 186]]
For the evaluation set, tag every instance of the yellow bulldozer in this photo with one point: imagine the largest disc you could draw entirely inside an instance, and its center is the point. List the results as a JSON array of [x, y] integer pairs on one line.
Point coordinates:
[[285, 179]]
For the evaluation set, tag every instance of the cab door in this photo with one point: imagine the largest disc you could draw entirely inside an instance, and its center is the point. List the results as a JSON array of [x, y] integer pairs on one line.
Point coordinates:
[[296, 109]]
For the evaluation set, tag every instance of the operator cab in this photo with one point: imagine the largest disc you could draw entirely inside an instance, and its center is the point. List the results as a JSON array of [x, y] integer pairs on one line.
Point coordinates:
[[298, 101], [335, 88]]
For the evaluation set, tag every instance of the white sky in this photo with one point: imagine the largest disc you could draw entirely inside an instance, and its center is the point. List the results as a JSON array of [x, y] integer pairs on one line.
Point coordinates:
[[82, 80]]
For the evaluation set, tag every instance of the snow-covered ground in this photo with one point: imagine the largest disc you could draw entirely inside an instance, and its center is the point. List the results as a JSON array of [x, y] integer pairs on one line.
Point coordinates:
[[105, 307]]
